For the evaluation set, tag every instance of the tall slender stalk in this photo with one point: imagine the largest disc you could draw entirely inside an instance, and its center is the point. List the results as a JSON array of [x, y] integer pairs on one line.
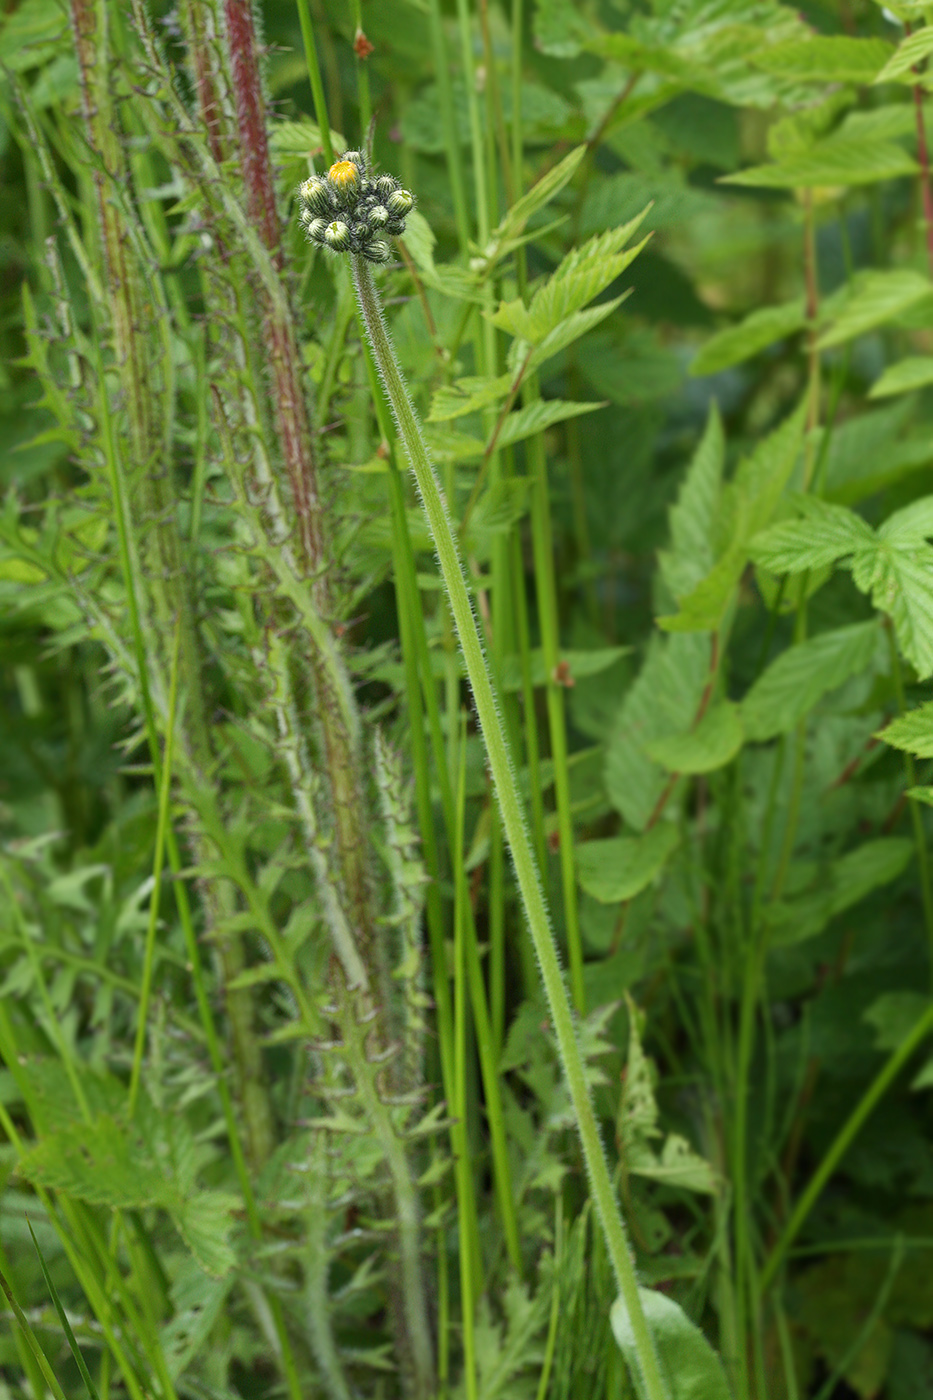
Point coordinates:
[[500, 763]]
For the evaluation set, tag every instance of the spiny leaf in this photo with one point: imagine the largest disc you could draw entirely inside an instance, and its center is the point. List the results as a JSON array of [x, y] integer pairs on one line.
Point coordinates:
[[619, 869], [800, 676], [758, 330]]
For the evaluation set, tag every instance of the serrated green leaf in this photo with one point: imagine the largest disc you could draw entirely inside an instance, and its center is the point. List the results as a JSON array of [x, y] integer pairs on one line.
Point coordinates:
[[538, 196], [575, 666], [693, 516], [678, 1165], [538, 415], [419, 240], [898, 575], [583, 274], [619, 869], [750, 500], [800, 676], [300, 138], [617, 198], [912, 732], [826, 58], [574, 328], [874, 299], [894, 1015], [911, 51], [915, 372], [826, 534], [467, 396], [32, 33], [690, 1367], [663, 699], [840, 886], [836, 161], [738, 343], [102, 1162], [913, 522], [204, 1221], [714, 742]]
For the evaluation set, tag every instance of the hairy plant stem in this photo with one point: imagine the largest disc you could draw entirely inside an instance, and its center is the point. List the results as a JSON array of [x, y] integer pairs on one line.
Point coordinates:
[[341, 739], [163, 566], [513, 821]]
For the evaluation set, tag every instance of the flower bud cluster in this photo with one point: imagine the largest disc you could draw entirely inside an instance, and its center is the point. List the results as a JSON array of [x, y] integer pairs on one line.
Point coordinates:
[[349, 211]]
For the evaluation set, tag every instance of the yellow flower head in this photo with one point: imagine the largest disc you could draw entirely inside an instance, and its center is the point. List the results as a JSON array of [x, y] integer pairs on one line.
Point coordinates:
[[345, 178]]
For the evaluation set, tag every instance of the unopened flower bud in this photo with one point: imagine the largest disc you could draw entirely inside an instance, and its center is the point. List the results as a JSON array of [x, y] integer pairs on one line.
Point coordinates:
[[400, 203], [386, 185], [337, 236], [356, 157], [344, 179], [378, 216], [378, 251], [316, 227], [316, 195]]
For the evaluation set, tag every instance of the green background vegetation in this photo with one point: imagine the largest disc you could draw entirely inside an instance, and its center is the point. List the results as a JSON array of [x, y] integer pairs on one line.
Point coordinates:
[[281, 1107]]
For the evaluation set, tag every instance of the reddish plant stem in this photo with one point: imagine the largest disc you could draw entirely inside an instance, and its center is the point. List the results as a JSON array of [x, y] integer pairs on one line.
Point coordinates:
[[200, 41], [294, 433]]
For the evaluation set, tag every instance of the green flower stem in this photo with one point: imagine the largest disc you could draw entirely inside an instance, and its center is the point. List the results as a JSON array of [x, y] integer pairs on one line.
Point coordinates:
[[504, 779]]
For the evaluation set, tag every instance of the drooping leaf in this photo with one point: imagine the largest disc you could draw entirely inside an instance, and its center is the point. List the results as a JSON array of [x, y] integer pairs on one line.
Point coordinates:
[[620, 868], [690, 1367], [714, 742], [800, 676], [758, 330]]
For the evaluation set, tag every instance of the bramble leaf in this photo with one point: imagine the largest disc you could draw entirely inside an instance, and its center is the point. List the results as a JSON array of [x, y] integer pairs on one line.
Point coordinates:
[[800, 676]]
